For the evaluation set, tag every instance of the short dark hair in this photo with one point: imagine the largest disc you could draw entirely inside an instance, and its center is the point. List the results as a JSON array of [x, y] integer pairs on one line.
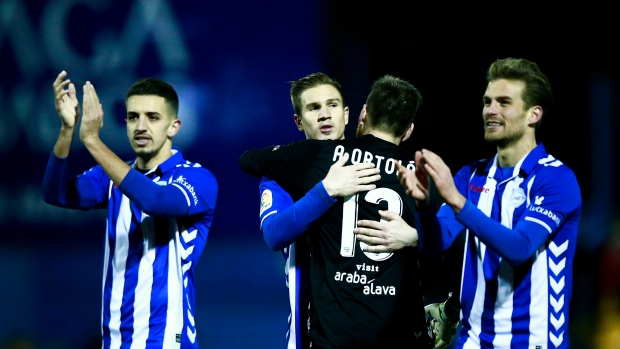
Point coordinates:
[[537, 90], [310, 81], [155, 87], [392, 105]]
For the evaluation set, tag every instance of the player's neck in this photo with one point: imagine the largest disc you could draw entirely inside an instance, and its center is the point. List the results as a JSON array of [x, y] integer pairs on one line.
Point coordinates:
[[385, 136], [509, 156], [150, 162]]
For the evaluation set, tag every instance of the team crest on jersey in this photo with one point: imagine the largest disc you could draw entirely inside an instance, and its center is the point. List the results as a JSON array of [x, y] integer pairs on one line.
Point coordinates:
[[266, 200]]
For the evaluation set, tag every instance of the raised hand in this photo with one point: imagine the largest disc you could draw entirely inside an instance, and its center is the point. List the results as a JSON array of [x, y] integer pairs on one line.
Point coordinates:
[[65, 100], [92, 115], [416, 183], [437, 169], [390, 234], [344, 180]]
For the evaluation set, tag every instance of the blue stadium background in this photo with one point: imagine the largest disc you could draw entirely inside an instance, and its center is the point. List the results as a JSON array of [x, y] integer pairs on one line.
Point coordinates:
[[230, 62]]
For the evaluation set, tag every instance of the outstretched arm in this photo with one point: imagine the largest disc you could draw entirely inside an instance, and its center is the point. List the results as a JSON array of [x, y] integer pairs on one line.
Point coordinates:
[[515, 245], [280, 229], [284, 221]]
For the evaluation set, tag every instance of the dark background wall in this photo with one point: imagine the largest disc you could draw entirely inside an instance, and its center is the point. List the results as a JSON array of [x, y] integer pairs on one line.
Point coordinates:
[[231, 62]]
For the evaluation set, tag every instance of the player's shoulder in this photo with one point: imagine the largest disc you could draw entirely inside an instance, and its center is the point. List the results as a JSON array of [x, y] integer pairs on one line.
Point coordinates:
[[546, 175], [195, 170], [269, 184], [478, 166], [304, 147], [312, 142], [548, 167]]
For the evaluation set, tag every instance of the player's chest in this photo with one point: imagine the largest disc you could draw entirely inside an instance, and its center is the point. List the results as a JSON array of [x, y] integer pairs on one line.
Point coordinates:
[[496, 196]]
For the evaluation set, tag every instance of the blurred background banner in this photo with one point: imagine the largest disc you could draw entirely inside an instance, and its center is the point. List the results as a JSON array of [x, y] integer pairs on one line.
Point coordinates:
[[231, 62]]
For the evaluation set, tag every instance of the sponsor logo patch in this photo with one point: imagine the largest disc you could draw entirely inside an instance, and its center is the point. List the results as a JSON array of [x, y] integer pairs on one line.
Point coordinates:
[[266, 200], [182, 181], [538, 200]]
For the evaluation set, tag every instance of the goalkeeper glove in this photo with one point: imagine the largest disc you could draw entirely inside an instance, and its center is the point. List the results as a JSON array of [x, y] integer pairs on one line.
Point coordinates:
[[442, 327]]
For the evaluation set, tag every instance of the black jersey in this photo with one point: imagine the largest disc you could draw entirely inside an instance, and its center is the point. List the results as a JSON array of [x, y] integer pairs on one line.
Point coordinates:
[[359, 299]]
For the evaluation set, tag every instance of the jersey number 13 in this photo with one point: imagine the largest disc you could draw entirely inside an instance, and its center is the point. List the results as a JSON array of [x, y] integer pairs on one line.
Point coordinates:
[[350, 217]]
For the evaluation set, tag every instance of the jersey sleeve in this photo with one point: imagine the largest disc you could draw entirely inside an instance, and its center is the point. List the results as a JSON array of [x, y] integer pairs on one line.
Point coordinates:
[[283, 221], [85, 191], [553, 198], [287, 165], [514, 245], [190, 191], [556, 196]]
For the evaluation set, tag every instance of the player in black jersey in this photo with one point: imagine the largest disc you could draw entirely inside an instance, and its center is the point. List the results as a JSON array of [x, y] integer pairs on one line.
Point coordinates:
[[360, 299]]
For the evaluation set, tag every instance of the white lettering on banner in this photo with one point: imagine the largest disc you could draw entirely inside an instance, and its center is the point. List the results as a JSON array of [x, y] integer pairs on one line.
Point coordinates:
[[50, 49], [24, 42]]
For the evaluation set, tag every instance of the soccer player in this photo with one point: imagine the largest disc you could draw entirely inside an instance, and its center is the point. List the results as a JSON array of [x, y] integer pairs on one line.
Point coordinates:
[[159, 211], [321, 113], [520, 210], [359, 299]]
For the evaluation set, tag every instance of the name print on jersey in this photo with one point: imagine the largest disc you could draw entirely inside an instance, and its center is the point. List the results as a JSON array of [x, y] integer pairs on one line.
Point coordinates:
[[359, 156]]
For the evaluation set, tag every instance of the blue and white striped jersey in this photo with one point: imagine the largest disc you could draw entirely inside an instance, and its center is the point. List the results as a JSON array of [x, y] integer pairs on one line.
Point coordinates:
[[274, 199], [517, 268], [157, 227]]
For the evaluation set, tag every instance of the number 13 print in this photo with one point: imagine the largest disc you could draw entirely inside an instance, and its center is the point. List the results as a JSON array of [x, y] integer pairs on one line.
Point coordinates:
[[349, 219]]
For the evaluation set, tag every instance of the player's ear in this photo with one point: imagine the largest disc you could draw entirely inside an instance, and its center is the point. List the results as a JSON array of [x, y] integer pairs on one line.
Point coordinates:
[[534, 115], [174, 128], [346, 115], [408, 133], [298, 122], [362, 117]]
